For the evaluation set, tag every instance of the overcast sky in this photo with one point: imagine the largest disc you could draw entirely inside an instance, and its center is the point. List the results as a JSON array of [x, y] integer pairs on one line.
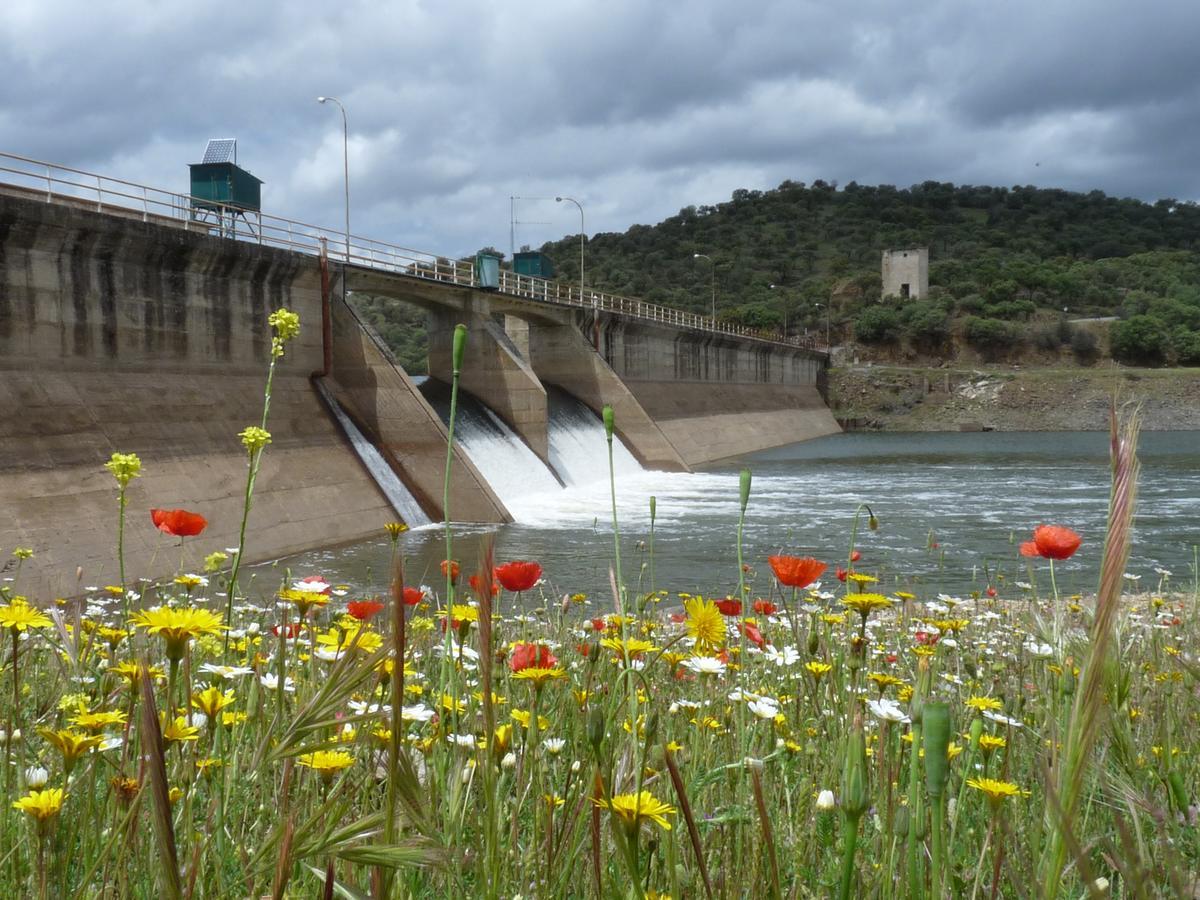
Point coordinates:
[[634, 107]]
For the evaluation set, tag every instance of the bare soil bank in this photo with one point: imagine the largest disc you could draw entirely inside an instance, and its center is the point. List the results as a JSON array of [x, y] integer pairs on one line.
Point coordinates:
[[1006, 398]]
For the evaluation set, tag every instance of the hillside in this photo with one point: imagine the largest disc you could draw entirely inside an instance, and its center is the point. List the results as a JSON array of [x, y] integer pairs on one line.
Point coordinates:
[[1011, 270]]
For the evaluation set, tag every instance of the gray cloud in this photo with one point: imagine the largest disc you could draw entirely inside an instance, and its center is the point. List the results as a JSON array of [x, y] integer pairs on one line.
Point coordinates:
[[635, 108]]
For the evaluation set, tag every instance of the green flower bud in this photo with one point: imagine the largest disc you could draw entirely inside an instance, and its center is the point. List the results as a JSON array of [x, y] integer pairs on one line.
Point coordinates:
[[608, 423], [595, 729], [976, 732], [814, 642], [460, 346], [855, 794], [744, 488], [936, 716], [1178, 791], [653, 507]]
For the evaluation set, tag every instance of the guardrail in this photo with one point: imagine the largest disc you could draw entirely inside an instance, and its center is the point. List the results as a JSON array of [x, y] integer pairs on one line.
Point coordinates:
[[75, 187]]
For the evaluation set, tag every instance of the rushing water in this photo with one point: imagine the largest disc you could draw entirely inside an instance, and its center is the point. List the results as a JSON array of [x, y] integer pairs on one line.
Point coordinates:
[[973, 495]]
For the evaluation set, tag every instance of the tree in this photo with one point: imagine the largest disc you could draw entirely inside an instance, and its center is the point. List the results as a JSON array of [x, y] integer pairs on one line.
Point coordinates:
[[1139, 340], [877, 325]]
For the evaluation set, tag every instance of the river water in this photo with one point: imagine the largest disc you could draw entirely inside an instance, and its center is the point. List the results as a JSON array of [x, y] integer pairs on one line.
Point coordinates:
[[975, 496]]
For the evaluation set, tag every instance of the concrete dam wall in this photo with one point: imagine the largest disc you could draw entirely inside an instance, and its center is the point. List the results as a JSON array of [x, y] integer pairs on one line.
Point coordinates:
[[123, 335], [118, 335]]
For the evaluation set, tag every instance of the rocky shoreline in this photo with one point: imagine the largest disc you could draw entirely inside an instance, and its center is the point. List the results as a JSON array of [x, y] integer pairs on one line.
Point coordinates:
[[1010, 398]]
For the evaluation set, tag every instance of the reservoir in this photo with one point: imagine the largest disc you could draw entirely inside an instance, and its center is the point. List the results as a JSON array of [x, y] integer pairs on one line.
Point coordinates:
[[952, 509]]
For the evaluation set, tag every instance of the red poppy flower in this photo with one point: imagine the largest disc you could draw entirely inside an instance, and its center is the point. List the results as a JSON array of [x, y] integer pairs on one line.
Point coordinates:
[[927, 638], [413, 596], [796, 571], [453, 570], [841, 573], [1029, 548], [1055, 541], [753, 634], [678, 618], [765, 607], [991, 591], [729, 607], [363, 609], [891, 657], [178, 522], [537, 656], [290, 630], [599, 624], [855, 555], [518, 575], [477, 586]]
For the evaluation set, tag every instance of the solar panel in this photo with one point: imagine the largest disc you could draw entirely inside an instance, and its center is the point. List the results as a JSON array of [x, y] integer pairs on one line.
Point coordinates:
[[220, 150]]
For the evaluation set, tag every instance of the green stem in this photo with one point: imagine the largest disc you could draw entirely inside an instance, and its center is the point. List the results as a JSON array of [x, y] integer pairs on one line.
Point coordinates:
[[121, 546], [937, 860], [849, 843]]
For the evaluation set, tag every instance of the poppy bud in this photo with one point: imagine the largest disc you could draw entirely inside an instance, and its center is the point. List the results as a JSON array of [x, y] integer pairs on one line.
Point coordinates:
[[460, 346], [595, 730], [651, 730], [936, 716], [653, 506], [855, 796], [608, 423], [744, 488], [900, 824], [976, 732], [814, 642], [1178, 791], [916, 820]]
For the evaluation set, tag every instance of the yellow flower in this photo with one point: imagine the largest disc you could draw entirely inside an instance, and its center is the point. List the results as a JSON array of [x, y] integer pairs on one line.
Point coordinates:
[[214, 561], [989, 743], [205, 765], [124, 467], [189, 581], [984, 704], [364, 640], [539, 675], [883, 681], [996, 791], [634, 809], [818, 669], [178, 626], [833, 618], [97, 721], [178, 730], [132, 671], [860, 579], [462, 614], [633, 646], [71, 744], [326, 762], [19, 616], [503, 738], [451, 705], [704, 624], [211, 701], [865, 604], [304, 600], [395, 529], [254, 438], [285, 322], [522, 717], [41, 805]]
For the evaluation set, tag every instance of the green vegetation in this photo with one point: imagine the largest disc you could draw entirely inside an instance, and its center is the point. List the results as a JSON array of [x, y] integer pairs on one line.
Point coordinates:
[[1024, 256]]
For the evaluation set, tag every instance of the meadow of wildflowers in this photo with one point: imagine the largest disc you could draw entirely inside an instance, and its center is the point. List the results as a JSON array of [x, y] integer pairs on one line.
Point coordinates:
[[815, 735]]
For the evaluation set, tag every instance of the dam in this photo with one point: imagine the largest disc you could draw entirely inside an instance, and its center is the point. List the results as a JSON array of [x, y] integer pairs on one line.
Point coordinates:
[[127, 327]]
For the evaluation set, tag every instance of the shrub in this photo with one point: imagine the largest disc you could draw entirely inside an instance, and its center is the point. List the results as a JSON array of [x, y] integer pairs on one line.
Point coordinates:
[[990, 335], [1186, 345], [1084, 345], [1139, 340], [877, 325], [926, 323]]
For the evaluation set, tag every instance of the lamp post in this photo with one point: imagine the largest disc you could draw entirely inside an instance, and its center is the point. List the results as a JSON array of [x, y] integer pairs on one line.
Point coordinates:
[[713, 269], [784, 304], [826, 305], [582, 232], [345, 163]]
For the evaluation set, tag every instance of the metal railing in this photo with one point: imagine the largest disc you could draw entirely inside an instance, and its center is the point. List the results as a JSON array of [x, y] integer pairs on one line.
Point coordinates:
[[54, 183]]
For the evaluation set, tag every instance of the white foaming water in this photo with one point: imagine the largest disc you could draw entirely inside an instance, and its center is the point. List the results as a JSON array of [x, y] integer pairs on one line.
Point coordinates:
[[393, 488], [578, 448], [506, 463]]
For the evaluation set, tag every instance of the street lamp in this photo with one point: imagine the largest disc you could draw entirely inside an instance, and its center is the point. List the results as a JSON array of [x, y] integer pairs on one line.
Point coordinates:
[[582, 232], [713, 269], [785, 331], [818, 306], [345, 163]]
